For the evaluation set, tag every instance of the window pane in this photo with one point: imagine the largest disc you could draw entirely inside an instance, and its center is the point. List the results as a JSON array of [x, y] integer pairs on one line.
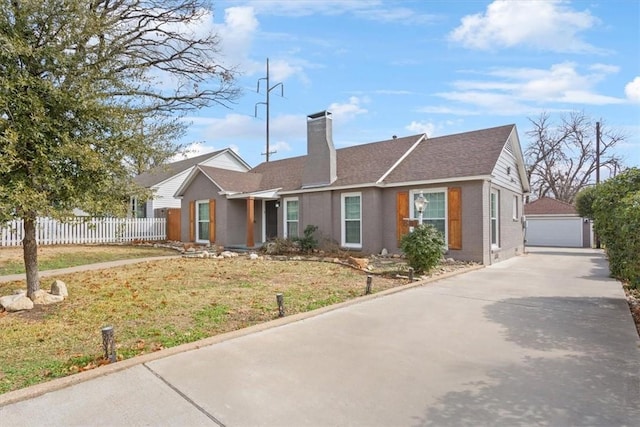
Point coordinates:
[[494, 231], [493, 205], [352, 207], [439, 224], [292, 229], [435, 207], [292, 210], [352, 232], [203, 230], [203, 211], [495, 217]]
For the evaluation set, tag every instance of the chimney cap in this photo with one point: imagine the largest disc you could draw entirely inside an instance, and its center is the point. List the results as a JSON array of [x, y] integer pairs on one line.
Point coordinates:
[[324, 113]]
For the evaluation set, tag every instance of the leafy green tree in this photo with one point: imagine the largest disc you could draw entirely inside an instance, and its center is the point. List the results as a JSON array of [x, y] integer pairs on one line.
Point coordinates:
[[88, 87], [616, 211], [423, 247], [584, 202]]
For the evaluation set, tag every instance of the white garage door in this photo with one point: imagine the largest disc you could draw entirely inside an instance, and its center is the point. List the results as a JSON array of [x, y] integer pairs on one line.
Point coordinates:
[[565, 232]]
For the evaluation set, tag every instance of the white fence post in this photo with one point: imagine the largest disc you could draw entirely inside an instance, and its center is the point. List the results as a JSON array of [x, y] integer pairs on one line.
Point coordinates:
[[86, 230]]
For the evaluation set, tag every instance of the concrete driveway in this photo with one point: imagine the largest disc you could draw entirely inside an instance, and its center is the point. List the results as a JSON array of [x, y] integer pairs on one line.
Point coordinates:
[[542, 339]]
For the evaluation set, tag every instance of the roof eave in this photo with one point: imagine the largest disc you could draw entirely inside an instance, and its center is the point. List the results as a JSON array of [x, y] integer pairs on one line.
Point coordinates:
[[388, 185]]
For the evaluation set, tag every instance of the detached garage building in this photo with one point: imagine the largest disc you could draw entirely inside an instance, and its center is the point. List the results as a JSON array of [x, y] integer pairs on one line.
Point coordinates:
[[551, 222]]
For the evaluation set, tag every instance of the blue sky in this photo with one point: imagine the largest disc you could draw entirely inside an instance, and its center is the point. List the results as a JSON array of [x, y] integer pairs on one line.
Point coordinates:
[[400, 68]]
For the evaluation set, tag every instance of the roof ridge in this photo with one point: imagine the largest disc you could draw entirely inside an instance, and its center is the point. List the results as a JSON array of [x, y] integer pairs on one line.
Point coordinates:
[[555, 200], [402, 157]]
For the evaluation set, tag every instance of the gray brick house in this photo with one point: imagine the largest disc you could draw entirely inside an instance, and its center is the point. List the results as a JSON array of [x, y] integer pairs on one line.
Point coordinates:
[[362, 197]]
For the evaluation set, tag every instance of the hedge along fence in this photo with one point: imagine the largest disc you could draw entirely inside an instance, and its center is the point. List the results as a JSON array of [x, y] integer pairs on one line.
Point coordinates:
[[86, 230], [616, 213]]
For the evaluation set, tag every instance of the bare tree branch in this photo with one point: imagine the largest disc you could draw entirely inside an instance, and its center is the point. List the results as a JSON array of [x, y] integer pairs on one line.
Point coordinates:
[[561, 158]]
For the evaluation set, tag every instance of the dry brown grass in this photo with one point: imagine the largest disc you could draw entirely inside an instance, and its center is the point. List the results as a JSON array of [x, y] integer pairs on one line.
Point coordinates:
[[154, 305], [61, 256]]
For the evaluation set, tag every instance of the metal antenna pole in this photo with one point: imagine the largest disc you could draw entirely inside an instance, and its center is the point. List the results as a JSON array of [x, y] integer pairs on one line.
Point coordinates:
[[267, 104], [597, 152]]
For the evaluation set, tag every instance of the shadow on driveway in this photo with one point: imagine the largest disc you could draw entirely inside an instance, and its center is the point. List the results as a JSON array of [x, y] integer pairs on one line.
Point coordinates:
[[591, 377]]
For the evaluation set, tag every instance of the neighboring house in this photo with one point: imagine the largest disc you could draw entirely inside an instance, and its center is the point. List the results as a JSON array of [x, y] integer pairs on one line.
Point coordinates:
[[362, 197], [165, 180], [551, 222]]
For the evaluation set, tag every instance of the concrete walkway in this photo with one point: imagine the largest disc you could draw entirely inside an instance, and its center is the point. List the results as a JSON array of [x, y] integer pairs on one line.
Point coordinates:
[[86, 267], [542, 339]]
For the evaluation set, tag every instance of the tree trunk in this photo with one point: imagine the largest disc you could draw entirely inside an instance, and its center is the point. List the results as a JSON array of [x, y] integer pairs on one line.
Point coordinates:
[[30, 249]]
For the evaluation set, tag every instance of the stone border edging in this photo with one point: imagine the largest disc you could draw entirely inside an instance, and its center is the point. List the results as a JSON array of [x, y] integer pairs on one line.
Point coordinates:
[[64, 382]]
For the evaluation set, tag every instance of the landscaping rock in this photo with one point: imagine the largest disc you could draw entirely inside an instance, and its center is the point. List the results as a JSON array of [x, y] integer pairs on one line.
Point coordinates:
[[384, 252], [16, 302], [41, 297], [58, 287], [361, 263], [253, 256], [228, 254]]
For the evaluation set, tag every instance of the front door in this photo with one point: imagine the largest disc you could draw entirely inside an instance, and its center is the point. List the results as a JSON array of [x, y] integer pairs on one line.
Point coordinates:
[[271, 219]]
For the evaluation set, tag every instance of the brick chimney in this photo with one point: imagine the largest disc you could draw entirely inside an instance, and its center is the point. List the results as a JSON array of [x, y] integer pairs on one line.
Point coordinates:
[[320, 167]]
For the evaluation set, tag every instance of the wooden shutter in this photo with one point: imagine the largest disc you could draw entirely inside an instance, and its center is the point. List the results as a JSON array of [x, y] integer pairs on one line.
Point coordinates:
[[212, 221], [402, 213], [250, 220], [192, 221], [455, 217]]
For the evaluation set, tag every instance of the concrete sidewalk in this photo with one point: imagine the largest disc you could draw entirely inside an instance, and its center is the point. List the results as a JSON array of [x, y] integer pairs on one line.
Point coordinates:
[[542, 339]]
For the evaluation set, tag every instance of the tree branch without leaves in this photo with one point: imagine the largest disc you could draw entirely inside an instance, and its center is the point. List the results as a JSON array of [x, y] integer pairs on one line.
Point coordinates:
[[561, 158]]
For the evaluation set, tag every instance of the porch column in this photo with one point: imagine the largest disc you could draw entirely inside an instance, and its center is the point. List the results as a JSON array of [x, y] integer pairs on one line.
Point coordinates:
[[250, 219]]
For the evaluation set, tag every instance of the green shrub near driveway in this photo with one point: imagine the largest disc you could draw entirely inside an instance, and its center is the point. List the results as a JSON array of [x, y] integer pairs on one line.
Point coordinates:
[[423, 248]]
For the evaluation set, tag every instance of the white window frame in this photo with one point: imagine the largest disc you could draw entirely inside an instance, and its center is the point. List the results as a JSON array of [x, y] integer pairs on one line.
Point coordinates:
[[343, 221], [198, 220], [516, 210], [285, 203], [414, 214], [495, 240]]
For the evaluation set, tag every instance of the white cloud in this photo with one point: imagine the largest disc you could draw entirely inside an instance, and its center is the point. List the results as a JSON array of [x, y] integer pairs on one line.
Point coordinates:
[[632, 90], [348, 111], [236, 36], [508, 91], [193, 150], [239, 28], [545, 25], [422, 127], [235, 130], [441, 109], [372, 10], [279, 146]]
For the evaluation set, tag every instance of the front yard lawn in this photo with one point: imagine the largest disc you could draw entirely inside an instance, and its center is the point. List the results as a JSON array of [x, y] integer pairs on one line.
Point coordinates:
[[54, 257], [160, 304]]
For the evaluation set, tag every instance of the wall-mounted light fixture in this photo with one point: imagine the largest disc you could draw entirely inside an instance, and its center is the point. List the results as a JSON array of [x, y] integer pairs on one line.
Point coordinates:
[[277, 204]]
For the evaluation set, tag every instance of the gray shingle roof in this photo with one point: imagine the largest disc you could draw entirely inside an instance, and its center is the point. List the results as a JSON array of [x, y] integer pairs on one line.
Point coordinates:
[[235, 181], [453, 156], [162, 173]]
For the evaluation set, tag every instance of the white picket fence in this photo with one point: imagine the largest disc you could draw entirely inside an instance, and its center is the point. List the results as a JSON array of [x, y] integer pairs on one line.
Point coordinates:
[[86, 230]]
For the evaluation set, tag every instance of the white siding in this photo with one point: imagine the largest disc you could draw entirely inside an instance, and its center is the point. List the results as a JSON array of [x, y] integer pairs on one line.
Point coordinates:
[[225, 161], [163, 193], [505, 173]]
